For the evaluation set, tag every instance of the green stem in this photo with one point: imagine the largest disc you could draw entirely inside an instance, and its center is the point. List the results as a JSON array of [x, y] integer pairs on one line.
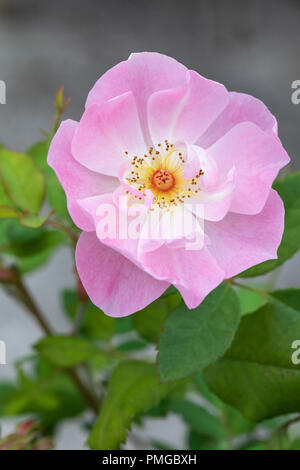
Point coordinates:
[[88, 397], [63, 228], [251, 289]]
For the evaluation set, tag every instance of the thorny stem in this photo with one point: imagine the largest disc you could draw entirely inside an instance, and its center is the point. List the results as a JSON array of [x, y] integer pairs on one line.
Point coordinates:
[[89, 398]]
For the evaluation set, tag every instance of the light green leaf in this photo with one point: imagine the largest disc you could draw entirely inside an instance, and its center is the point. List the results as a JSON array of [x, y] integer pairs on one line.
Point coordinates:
[[32, 221], [250, 301], [289, 190], [22, 179], [55, 192], [66, 351], [56, 195], [132, 390], [257, 375], [8, 212], [192, 339], [38, 153], [148, 322]]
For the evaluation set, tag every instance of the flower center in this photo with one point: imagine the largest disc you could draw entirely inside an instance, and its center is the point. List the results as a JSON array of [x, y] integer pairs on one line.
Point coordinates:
[[161, 170], [163, 180]]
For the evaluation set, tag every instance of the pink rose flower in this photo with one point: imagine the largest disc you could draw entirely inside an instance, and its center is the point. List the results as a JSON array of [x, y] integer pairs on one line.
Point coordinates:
[[158, 136]]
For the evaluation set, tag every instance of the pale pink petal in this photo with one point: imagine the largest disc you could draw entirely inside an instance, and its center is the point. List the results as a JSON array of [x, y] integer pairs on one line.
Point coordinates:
[[216, 202], [240, 241], [112, 83], [111, 224], [257, 158], [106, 132], [185, 113], [143, 73], [112, 282], [78, 182], [193, 272], [193, 158], [241, 108]]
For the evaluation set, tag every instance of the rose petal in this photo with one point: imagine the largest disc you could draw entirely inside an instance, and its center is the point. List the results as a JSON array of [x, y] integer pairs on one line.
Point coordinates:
[[112, 282], [77, 181], [257, 158], [240, 241]]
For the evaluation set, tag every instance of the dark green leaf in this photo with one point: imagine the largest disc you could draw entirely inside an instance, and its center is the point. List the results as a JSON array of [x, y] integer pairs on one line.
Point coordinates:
[[97, 325], [29, 255], [192, 339], [133, 345], [148, 322], [257, 375]]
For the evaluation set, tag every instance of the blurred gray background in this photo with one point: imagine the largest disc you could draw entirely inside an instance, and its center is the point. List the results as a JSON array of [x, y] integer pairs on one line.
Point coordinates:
[[252, 47]]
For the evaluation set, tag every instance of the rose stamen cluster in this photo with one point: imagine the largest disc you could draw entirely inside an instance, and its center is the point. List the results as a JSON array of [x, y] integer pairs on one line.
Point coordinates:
[[161, 171]]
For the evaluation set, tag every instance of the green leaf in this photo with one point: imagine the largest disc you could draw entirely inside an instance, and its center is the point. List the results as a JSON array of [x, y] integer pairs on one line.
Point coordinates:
[[38, 153], [66, 351], [70, 302], [30, 255], [289, 190], [22, 179], [199, 419], [54, 190], [133, 345], [205, 392], [32, 221], [192, 339], [51, 397], [7, 390], [8, 212], [56, 195], [124, 325], [257, 375], [95, 324], [148, 322], [198, 442], [132, 390], [250, 301]]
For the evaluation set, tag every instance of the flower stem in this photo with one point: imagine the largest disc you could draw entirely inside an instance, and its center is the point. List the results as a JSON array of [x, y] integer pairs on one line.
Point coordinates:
[[251, 289], [63, 228], [31, 305]]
